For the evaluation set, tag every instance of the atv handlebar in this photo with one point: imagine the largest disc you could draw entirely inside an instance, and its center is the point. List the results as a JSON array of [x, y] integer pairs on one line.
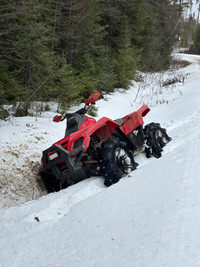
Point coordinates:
[[90, 101], [58, 118], [92, 98]]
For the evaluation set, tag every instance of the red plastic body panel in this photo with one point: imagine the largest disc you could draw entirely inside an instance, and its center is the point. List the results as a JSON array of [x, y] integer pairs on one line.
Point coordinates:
[[133, 120], [103, 128], [87, 122]]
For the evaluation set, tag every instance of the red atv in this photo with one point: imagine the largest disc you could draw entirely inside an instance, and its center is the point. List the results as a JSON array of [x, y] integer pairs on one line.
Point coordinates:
[[104, 147]]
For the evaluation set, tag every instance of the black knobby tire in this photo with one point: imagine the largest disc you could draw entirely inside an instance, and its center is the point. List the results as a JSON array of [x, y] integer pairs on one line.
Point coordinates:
[[156, 138], [51, 183], [116, 160]]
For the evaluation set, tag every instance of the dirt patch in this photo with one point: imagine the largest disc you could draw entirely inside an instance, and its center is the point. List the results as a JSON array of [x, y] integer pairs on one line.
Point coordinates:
[[174, 80], [20, 184], [19, 177], [178, 64]]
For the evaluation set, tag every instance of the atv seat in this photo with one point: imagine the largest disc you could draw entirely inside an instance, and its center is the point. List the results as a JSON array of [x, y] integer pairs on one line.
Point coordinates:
[[74, 121], [119, 121]]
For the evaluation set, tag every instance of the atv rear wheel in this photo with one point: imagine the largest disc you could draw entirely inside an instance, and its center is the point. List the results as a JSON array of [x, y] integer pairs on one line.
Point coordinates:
[[156, 138], [116, 160]]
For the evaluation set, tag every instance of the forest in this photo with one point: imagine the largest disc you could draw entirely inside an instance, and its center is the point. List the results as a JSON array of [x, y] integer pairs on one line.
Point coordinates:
[[63, 50]]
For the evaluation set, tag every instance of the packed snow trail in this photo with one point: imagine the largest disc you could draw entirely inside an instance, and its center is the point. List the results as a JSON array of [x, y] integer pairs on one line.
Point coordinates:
[[150, 218], [146, 220]]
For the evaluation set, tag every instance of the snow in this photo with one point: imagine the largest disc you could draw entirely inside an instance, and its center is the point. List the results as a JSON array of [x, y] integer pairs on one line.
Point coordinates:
[[149, 218], [191, 9]]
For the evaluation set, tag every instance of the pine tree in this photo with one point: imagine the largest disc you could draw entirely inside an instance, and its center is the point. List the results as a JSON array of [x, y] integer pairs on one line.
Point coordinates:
[[82, 44], [31, 59], [197, 40], [125, 58], [66, 49], [162, 30], [9, 87], [187, 32]]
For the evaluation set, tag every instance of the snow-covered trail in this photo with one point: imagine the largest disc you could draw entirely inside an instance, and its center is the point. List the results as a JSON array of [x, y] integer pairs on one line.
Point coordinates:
[[149, 219], [188, 104]]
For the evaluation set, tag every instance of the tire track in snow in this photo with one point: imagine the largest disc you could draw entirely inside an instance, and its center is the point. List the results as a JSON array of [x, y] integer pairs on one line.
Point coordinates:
[[190, 225], [182, 223], [181, 131]]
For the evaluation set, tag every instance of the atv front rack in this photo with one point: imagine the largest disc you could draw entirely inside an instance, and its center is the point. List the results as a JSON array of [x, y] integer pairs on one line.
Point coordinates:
[[63, 164]]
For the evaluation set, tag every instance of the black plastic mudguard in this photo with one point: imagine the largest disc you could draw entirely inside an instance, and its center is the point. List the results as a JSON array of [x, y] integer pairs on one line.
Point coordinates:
[[134, 140]]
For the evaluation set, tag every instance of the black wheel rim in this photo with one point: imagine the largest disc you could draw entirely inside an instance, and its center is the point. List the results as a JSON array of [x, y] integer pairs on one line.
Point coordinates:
[[123, 160]]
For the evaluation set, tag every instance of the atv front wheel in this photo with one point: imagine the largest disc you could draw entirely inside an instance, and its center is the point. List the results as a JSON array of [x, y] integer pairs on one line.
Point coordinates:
[[51, 183], [116, 160], [156, 138]]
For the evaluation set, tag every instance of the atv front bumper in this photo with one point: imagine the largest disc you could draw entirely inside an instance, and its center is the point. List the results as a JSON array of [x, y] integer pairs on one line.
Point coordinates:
[[63, 164]]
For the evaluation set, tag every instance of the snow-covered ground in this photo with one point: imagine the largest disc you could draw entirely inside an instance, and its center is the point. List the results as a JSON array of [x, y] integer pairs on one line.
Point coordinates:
[[191, 8], [150, 218]]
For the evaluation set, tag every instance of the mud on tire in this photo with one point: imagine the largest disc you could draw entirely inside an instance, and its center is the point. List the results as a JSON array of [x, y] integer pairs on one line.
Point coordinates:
[[156, 138], [116, 160]]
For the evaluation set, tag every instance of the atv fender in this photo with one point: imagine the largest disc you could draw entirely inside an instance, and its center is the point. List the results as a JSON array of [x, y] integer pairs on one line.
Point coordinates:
[[143, 110], [134, 120], [103, 128]]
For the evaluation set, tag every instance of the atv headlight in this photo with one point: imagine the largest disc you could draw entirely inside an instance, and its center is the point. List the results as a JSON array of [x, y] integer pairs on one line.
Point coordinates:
[[53, 156]]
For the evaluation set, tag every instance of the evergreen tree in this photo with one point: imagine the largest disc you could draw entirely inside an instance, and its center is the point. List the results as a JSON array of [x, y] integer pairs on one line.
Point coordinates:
[[162, 25], [66, 49], [125, 58], [9, 87], [197, 40], [82, 44], [187, 32]]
